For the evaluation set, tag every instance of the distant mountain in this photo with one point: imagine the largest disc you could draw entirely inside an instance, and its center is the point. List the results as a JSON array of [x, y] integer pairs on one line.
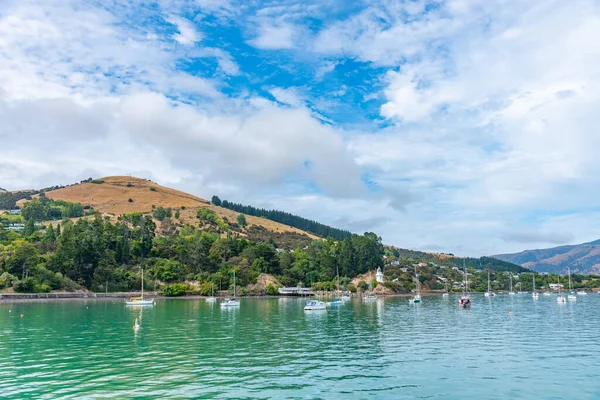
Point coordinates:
[[581, 258]]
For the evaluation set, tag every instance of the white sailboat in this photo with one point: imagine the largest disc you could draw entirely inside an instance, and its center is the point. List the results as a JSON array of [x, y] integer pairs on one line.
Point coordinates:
[[212, 297], [571, 296], [560, 299], [140, 301], [445, 294], [535, 294], [233, 302], [489, 292], [511, 289], [465, 300], [417, 297]]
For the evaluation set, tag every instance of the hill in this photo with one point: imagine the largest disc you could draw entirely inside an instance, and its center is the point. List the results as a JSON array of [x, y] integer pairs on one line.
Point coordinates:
[[450, 260], [118, 195], [581, 258]]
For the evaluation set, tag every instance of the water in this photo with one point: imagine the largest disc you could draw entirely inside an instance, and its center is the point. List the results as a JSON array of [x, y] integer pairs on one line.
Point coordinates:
[[271, 348]]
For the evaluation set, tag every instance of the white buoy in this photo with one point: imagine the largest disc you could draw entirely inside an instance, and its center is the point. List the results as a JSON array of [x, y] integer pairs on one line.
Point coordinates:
[[136, 326]]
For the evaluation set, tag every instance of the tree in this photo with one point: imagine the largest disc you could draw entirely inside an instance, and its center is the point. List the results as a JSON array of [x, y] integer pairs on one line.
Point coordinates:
[[34, 210], [29, 228], [177, 214], [216, 200], [241, 220]]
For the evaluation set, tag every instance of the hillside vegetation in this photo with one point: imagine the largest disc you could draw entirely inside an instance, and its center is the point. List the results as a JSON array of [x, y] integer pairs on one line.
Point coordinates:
[[283, 217]]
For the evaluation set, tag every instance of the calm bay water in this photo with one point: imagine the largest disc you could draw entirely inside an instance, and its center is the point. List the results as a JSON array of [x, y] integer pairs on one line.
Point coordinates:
[[271, 348]]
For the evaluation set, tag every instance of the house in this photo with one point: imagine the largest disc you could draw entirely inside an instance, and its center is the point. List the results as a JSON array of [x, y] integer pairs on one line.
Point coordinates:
[[379, 275], [14, 212], [555, 286], [422, 264], [395, 262]]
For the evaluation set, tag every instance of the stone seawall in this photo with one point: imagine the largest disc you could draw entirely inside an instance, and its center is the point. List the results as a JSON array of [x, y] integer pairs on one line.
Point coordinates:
[[35, 296]]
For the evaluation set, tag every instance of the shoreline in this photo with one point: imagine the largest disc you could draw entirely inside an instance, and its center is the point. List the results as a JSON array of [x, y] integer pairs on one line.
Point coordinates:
[[33, 297]]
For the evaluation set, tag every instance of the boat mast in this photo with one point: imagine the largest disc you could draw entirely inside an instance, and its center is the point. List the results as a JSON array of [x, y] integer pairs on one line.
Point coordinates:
[[510, 282], [234, 283], [142, 283], [534, 283], [466, 290], [488, 281]]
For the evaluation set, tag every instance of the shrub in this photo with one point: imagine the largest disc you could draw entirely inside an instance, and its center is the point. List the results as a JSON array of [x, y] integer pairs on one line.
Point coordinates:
[[241, 219], [130, 200], [129, 184], [271, 290], [152, 189], [97, 181], [26, 285], [176, 289], [7, 280], [177, 214], [362, 285]]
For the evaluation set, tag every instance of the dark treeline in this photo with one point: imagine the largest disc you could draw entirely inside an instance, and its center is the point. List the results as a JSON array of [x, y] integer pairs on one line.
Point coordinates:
[[8, 200], [490, 263], [43, 209], [96, 254], [286, 218]]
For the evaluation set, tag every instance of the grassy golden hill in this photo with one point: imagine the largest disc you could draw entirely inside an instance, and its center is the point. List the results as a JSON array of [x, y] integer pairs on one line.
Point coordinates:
[[111, 198]]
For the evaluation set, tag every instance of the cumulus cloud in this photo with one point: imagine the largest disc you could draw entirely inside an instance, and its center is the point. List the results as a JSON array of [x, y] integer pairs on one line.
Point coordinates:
[[188, 35]]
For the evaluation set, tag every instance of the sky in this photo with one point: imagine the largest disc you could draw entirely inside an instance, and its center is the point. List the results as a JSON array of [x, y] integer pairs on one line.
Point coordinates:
[[462, 126]]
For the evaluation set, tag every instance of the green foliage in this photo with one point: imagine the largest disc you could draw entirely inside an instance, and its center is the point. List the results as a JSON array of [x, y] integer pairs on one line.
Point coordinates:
[[46, 209], [8, 200], [288, 219], [26, 285], [152, 189], [209, 216], [271, 290], [177, 214], [29, 227], [7, 280], [97, 181], [362, 285], [241, 220], [167, 270], [161, 213], [216, 200], [176, 289]]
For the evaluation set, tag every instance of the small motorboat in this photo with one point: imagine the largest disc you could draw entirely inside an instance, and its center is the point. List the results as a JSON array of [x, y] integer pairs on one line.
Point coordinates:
[[547, 293], [465, 301], [415, 300], [230, 303], [313, 305], [369, 298], [335, 302], [582, 293]]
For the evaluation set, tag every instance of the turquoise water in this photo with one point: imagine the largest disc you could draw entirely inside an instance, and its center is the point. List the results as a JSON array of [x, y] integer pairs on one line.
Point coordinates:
[[271, 348]]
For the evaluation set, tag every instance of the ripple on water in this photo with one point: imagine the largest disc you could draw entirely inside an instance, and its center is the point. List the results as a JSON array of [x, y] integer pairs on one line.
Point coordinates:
[[272, 349]]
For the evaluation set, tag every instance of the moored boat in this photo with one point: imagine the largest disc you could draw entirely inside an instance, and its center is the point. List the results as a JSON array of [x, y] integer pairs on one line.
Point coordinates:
[[140, 301], [416, 298], [231, 302], [313, 305], [370, 298], [465, 300], [571, 296]]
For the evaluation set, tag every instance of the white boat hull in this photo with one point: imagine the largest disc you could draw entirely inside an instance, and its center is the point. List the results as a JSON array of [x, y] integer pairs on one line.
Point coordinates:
[[561, 299], [140, 303], [314, 306], [211, 299]]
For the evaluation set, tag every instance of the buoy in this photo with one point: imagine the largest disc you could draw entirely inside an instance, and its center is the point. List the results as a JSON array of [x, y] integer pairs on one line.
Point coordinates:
[[9, 310], [21, 315], [510, 313], [136, 326]]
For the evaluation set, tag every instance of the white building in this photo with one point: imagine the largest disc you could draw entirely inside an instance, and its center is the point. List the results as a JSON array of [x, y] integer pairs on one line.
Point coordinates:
[[379, 275]]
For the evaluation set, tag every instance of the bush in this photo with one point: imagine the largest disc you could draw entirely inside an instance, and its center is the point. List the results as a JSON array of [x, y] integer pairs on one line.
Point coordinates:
[[271, 290], [241, 220], [177, 214], [97, 181], [362, 285], [130, 200], [129, 184], [27, 285], [7, 280], [176, 289], [152, 189]]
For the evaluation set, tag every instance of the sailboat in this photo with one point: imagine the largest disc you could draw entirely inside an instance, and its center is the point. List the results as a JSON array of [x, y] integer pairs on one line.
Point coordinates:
[[212, 297], [571, 296], [560, 299], [465, 301], [535, 294], [337, 301], [511, 290], [417, 297], [489, 292], [233, 302], [139, 301], [445, 294]]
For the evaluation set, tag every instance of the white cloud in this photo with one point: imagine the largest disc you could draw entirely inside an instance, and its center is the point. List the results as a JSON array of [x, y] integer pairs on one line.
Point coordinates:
[[188, 35], [274, 37], [287, 96]]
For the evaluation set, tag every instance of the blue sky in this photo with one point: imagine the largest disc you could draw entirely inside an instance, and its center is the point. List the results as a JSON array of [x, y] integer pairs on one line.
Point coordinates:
[[463, 126]]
